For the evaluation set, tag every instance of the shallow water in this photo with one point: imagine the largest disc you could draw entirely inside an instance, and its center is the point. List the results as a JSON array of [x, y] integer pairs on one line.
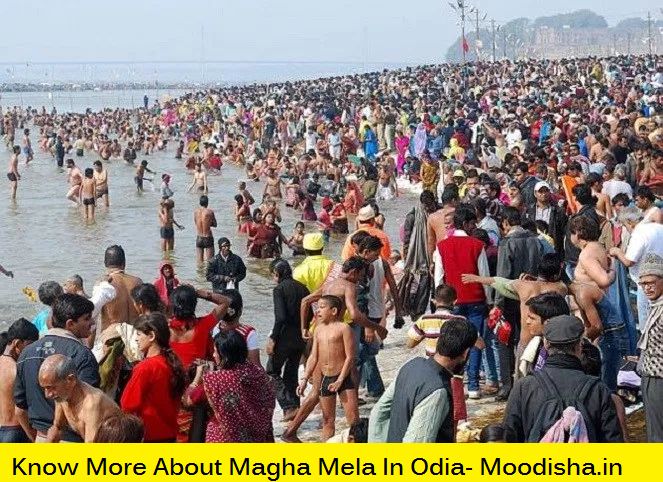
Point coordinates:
[[45, 237]]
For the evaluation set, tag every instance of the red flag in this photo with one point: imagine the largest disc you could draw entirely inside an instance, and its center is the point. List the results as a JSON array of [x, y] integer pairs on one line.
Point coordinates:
[[466, 47]]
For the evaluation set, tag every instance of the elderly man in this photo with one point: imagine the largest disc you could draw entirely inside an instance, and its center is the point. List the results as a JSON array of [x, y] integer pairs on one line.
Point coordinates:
[[72, 321], [77, 404], [650, 365], [645, 238]]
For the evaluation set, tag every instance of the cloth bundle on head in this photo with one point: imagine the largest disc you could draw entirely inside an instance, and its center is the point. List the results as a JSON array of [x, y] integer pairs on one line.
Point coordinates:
[[653, 265]]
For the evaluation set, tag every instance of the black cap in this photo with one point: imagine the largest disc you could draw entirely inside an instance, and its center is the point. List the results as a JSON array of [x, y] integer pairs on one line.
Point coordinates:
[[563, 329], [223, 241]]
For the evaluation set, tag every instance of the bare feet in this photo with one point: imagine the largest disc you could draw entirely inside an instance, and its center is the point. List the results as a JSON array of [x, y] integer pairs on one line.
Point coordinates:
[[290, 438]]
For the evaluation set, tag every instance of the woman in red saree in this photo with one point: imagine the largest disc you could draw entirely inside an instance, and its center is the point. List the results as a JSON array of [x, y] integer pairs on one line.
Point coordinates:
[[240, 394]]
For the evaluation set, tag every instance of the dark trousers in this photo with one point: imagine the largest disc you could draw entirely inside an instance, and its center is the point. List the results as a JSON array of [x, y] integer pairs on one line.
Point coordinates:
[[652, 396], [283, 366], [506, 353]]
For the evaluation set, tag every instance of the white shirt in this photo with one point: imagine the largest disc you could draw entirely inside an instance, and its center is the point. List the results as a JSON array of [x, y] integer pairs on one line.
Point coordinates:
[[646, 238], [482, 265]]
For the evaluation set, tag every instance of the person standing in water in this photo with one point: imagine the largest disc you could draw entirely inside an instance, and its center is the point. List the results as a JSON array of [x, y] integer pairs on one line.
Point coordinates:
[[27, 147], [12, 171], [205, 220], [88, 193], [75, 179], [199, 180], [166, 222], [101, 182], [140, 172]]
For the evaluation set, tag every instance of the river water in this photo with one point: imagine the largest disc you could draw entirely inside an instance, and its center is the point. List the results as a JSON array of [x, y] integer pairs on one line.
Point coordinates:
[[44, 237]]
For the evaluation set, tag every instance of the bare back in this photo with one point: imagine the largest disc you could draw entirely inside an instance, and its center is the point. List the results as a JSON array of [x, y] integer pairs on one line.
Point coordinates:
[[593, 253], [528, 289], [205, 220], [121, 309], [8, 376]]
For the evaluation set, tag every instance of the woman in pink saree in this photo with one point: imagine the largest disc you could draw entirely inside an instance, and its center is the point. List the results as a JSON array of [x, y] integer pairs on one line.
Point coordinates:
[[402, 142]]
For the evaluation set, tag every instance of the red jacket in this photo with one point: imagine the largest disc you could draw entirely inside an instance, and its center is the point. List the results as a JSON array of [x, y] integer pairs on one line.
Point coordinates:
[[460, 255]]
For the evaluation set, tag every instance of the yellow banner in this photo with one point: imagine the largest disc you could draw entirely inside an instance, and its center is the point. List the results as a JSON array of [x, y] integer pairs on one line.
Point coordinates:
[[329, 462]]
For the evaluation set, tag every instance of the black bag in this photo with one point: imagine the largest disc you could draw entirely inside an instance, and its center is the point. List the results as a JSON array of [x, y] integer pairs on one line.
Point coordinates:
[[550, 411]]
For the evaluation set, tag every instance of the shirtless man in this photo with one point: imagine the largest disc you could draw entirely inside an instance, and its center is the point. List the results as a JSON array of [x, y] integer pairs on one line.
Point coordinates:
[[19, 335], [199, 180], [75, 178], [603, 204], [594, 274], [272, 185], [27, 147], [121, 309], [341, 283], [441, 221], [333, 353], [205, 220], [140, 173], [12, 171], [166, 222], [88, 193], [77, 404], [549, 281], [101, 182]]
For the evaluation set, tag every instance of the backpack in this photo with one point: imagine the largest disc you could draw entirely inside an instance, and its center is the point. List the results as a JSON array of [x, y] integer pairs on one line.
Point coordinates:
[[550, 411]]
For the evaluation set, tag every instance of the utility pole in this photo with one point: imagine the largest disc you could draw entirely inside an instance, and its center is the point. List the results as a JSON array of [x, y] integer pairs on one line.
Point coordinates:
[[476, 16], [649, 31], [462, 30], [492, 25]]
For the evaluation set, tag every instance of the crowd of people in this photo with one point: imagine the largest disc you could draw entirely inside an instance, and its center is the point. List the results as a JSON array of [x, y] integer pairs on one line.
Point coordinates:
[[531, 266]]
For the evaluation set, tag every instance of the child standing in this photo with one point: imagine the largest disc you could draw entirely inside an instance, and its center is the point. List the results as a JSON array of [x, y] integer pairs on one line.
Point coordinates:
[[88, 193], [334, 350], [427, 329]]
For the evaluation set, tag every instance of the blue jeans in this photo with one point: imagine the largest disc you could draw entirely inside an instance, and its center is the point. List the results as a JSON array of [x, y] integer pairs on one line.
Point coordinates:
[[613, 344], [475, 314], [369, 374]]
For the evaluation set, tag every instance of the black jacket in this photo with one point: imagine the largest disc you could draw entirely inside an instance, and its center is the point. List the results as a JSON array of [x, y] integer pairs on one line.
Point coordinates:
[[28, 395], [288, 295], [571, 252], [233, 267], [556, 225], [519, 252], [566, 372]]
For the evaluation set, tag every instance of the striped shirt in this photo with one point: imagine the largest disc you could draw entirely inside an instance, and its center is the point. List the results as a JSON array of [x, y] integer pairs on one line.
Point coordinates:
[[427, 328]]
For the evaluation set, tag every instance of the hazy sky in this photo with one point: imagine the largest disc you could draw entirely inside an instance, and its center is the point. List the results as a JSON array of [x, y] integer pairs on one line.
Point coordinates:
[[258, 30]]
